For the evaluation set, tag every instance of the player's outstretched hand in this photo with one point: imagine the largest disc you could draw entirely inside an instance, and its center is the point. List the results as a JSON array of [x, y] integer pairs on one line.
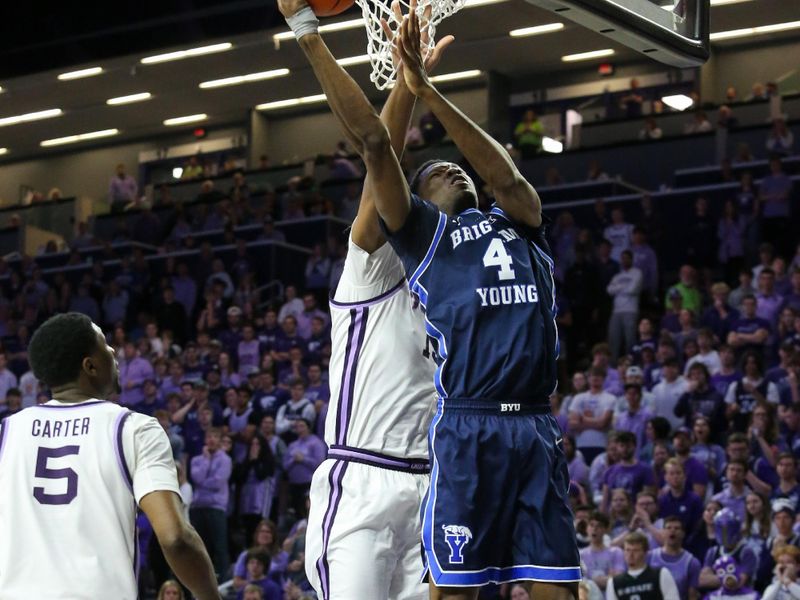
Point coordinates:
[[409, 47], [433, 57], [291, 7]]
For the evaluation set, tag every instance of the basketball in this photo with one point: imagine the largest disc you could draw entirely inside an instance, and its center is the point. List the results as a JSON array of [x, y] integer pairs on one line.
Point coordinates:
[[329, 8]]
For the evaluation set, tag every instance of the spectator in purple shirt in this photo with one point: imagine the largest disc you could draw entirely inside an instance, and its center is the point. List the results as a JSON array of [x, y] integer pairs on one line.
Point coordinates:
[[122, 190], [735, 492], [685, 567], [768, 301], [774, 193], [302, 458], [635, 418], [720, 316], [258, 563], [628, 474], [289, 339], [265, 538], [133, 372], [247, 351], [749, 331], [728, 532], [210, 473], [601, 561], [788, 488], [310, 310], [678, 500], [695, 472]]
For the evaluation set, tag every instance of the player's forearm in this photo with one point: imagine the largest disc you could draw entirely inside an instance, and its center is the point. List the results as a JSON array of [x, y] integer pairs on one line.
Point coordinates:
[[486, 155], [396, 115], [347, 101], [188, 559]]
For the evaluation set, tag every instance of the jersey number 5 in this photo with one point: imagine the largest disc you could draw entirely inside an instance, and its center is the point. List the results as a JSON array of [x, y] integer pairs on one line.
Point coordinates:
[[44, 472], [496, 256]]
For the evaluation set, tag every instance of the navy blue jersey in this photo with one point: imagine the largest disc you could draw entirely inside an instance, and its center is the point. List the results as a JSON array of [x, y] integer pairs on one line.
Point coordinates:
[[487, 287]]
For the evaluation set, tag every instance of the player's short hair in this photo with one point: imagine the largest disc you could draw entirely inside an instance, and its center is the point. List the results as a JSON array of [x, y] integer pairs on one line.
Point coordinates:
[[601, 518], [57, 349], [416, 178], [637, 538]]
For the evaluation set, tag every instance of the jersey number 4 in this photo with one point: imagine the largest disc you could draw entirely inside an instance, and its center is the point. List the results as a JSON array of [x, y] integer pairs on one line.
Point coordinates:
[[496, 256], [45, 472]]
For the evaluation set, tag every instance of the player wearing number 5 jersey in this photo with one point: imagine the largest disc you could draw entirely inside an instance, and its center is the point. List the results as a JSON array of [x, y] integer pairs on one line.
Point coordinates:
[[71, 474]]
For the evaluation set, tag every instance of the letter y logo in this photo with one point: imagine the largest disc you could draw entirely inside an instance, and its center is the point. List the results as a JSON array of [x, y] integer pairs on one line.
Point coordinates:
[[456, 536]]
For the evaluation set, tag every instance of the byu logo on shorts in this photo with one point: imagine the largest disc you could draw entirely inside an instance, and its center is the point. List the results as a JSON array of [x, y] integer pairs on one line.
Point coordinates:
[[456, 536]]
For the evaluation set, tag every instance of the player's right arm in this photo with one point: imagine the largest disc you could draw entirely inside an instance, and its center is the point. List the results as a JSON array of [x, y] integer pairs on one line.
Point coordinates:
[[494, 165], [396, 115], [360, 123], [182, 546], [148, 454]]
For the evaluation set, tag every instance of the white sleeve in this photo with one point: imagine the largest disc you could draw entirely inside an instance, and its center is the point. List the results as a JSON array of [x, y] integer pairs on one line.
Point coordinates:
[[669, 590], [366, 275], [611, 594], [730, 395], [772, 393], [149, 456]]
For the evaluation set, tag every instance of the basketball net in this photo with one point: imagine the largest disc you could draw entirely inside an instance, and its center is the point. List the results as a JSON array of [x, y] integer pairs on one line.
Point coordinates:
[[380, 47]]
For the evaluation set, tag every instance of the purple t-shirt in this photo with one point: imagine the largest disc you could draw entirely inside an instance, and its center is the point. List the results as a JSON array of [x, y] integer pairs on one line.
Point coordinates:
[[632, 478], [688, 507], [602, 562], [685, 568]]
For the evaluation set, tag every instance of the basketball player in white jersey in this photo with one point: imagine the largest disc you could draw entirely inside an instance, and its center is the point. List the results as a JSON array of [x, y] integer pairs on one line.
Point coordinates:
[[72, 472], [363, 536]]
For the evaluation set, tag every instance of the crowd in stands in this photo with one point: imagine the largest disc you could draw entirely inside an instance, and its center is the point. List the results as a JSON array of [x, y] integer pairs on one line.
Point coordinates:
[[679, 392]]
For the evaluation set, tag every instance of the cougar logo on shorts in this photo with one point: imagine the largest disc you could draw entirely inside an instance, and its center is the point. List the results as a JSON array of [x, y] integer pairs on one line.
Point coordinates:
[[456, 536]]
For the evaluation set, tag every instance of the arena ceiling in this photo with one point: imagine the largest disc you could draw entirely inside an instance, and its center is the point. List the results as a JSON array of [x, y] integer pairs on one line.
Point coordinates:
[[78, 36]]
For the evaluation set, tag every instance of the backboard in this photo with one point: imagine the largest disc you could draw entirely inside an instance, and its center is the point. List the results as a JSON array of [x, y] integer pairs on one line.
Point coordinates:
[[674, 32]]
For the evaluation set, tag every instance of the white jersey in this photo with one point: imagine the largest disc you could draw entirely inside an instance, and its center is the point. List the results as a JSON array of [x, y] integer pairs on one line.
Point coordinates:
[[70, 478], [382, 393]]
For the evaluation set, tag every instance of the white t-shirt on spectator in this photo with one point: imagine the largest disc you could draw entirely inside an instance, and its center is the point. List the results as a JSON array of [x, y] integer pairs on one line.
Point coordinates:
[[598, 404]]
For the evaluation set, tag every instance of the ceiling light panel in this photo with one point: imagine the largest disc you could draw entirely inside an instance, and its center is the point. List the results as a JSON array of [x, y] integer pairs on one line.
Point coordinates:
[[587, 55], [240, 79], [33, 116], [81, 137], [90, 72], [190, 53], [292, 102], [129, 99], [187, 119], [536, 30]]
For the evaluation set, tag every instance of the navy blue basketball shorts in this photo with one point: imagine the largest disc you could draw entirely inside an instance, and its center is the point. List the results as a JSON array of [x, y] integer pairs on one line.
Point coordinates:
[[498, 507]]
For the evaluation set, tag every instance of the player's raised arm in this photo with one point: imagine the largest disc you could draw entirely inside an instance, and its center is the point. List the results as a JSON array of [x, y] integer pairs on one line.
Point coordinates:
[[396, 115], [513, 193], [361, 124]]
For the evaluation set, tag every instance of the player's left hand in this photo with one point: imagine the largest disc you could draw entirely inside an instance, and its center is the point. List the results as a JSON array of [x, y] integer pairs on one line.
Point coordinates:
[[291, 7], [409, 47]]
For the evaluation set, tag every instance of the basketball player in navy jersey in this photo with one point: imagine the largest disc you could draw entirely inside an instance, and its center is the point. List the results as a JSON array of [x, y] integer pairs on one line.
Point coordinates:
[[497, 509]]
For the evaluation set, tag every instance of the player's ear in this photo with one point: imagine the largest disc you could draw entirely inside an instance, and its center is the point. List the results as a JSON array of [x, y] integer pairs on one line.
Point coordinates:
[[88, 366]]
